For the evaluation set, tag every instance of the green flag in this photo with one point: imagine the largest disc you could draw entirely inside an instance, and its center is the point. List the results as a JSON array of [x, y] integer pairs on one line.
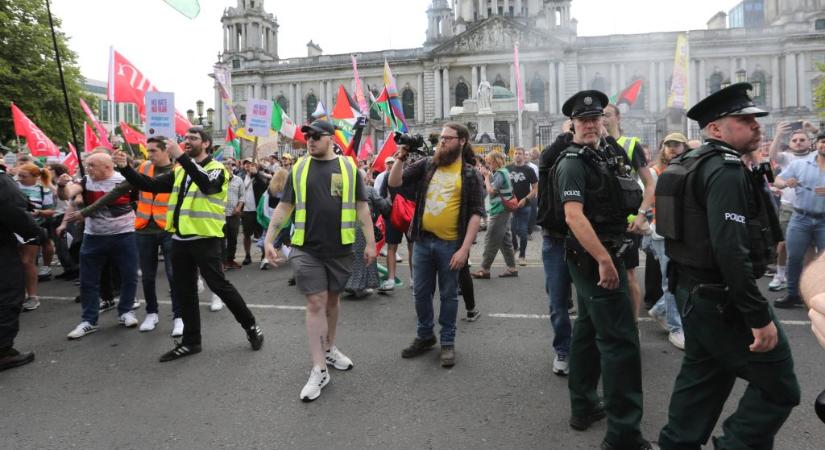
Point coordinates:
[[189, 8]]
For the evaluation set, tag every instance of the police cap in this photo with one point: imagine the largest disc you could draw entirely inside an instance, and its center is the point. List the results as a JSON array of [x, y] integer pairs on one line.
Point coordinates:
[[585, 104], [730, 101]]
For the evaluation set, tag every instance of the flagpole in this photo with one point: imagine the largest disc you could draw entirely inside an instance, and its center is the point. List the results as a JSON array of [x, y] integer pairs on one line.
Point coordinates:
[[63, 85]]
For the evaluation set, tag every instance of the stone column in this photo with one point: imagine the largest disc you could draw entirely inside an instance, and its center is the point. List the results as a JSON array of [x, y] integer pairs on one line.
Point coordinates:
[[553, 100], [652, 105], [662, 88], [219, 125], [790, 81], [474, 86], [512, 79], [732, 73], [419, 99], [322, 95], [299, 104], [484, 72], [562, 83], [291, 97], [614, 78], [438, 91], [693, 81], [506, 7], [776, 92], [250, 91], [445, 82], [519, 7], [482, 11], [583, 80], [802, 88], [622, 78], [703, 84]]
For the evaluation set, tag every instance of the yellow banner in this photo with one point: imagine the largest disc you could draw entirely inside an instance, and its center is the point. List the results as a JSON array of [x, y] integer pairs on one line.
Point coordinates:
[[678, 97]]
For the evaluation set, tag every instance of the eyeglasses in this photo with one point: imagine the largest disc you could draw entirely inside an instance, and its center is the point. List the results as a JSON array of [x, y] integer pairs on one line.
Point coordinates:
[[314, 136], [192, 138], [447, 138], [796, 141]]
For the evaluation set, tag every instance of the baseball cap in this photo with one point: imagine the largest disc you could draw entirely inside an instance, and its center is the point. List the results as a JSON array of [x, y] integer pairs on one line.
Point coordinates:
[[321, 127]]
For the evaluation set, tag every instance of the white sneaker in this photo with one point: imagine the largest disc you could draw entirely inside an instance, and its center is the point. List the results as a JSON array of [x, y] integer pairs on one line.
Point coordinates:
[[387, 286], [318, 378], [149, 322], [31, 303], [82, 330], [177, 327], [337, 359], [398, 258], [128, 319], [264, 265], [200, 285], [677, 338], [140, 273], [217, 304], [659, 319], [560, 365], [44, 271], [777, 284], [383, 251], [136, 304]]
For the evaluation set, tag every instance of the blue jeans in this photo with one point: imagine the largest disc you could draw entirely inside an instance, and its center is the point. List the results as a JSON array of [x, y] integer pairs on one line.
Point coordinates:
[[95, 250], [148, 245], [667, 303], [802, 231], [519, 227], [557, 285], [431, 259]]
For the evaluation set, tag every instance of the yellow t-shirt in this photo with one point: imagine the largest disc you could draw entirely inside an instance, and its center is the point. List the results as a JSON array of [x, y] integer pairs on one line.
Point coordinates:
[[443, 202]]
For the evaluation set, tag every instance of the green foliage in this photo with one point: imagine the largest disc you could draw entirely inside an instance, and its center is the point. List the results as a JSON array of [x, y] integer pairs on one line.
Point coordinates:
[[819, 93], [29, 74]]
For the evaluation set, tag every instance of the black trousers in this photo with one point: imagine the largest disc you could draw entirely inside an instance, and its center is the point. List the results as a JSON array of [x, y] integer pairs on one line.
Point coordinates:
[[653, 280], [12, 294], [204, 255], [465, 282], [230, 237]]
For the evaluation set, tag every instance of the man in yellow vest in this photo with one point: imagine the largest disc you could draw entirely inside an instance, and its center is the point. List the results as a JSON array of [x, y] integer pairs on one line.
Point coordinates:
[[637, 223], [327, 193], [198, 186]]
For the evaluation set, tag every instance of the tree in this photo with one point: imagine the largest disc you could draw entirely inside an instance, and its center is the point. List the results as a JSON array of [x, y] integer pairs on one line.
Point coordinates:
[[29, 74], [819, 93]]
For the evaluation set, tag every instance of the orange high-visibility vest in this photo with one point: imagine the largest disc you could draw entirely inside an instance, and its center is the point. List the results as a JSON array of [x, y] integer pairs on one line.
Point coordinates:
[[150, 206]]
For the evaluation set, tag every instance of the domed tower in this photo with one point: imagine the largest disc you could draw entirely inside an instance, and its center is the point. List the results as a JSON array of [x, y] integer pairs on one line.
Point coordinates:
[[439, 23], [249, 32]]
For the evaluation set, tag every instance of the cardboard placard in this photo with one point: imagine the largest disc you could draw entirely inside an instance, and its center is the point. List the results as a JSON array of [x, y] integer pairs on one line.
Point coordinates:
[[258, 117], [160, 114]]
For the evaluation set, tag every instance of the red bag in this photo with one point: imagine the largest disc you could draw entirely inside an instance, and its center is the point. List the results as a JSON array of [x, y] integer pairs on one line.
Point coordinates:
[[402, 213], [510, 204]]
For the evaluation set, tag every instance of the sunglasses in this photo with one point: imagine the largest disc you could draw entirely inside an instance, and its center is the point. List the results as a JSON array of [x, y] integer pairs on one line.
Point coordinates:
[[314, 136]]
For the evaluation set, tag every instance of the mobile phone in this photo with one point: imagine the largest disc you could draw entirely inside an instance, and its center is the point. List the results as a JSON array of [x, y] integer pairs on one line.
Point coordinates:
[[795, 126]]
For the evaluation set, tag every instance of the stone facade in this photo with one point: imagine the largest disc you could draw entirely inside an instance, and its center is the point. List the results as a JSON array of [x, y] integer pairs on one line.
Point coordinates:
[[469, 41]]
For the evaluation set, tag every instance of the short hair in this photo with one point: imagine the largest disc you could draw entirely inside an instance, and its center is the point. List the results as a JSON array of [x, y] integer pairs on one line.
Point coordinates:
[[204, 135], [497, 156], [615, 109], [160, 142]]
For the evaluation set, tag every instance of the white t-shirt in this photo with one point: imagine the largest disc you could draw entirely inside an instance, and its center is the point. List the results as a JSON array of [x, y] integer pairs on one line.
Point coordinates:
[[102, 223], [249, 204]]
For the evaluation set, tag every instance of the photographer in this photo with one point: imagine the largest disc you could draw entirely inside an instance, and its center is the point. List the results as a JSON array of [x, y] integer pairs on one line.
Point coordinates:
[[447, 214]]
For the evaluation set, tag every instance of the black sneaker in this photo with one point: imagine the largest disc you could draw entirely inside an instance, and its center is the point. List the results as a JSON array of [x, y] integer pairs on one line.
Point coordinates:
[[180, 351], [472, 315], [788, 301], [12, 358], [643, 445], [247, 261], [581, 423], [106, 305], [255, 336], [418, 347]]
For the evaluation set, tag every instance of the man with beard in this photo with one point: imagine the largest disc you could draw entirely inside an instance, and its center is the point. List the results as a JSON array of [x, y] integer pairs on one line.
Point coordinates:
[[448, 210], [198, 188], [719, 225], [328, 195]]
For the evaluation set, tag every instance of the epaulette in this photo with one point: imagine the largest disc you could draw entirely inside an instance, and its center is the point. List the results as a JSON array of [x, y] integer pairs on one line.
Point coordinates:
[[731, 159]]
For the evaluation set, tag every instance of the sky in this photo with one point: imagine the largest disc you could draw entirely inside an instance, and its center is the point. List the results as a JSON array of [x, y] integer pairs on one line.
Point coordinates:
[[177, 53]]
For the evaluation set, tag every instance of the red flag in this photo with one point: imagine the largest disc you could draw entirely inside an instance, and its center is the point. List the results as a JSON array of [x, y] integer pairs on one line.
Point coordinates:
[[630, 94], [90, 140], [38, 142], [101, 130], [131, 135], [70, 160], [387, 150], [366, 149], [128, 85]]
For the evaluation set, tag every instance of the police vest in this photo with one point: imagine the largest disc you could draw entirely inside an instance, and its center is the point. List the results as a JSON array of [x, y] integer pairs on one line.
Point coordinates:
[[610, 194], [681, 214], [299, 185], [150, 206], [200, 214]]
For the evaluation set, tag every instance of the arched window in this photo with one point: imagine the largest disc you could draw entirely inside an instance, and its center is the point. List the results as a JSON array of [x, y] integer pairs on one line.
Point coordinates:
[[375, 113], [408, 103], [819, 25], [499, 82], [283, 102], [715, 82], [599, 83], [758, 81], [312, 103], [462, 92], [537, 91]]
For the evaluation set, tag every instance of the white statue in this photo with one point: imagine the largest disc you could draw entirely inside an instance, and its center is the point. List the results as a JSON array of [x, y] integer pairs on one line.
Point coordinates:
[[485, 96]]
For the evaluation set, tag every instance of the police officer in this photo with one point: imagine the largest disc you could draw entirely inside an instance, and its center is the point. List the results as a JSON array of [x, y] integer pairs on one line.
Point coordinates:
[[719, 225], [596, 192]]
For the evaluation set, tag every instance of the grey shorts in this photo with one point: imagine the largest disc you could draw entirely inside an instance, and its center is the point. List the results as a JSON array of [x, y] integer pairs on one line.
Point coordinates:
[[785, 213], [314, 275]]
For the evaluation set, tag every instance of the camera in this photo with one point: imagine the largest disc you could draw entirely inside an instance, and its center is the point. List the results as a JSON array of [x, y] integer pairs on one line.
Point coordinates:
[[764, 169], [414, 143]]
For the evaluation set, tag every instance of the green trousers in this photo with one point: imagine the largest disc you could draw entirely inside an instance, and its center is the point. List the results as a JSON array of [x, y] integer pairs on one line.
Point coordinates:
[[716, 354], [605, 343]]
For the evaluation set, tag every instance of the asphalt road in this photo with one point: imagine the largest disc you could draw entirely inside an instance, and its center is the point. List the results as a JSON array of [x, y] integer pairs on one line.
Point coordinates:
[[107, 390]]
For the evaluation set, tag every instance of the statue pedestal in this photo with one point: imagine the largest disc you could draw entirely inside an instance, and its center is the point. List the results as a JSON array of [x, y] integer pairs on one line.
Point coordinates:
[[486, 129]]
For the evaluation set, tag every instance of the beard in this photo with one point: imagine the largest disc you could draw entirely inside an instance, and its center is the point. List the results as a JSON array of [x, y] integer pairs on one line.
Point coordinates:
[[445, 157]]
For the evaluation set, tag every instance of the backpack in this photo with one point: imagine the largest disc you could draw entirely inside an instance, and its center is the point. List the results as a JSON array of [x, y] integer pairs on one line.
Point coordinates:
[[671, 189], [549, 215]]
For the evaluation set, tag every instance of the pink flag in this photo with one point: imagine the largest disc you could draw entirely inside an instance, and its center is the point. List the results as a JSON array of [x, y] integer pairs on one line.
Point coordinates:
[[101, 130], [38, 142], [70, 160], [517, 68], [387, 150], [359, 91], [366, 149]]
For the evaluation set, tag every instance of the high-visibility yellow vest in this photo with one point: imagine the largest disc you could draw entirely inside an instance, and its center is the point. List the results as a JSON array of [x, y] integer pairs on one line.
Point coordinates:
[[632, 141], [150, 206], [200, 214], [299, 185]]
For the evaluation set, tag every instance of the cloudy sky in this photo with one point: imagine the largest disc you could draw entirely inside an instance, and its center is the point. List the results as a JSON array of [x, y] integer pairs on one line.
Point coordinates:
[[176, 53]]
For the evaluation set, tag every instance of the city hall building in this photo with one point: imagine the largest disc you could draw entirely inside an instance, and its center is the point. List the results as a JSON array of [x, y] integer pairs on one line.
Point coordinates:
[[773, 44]]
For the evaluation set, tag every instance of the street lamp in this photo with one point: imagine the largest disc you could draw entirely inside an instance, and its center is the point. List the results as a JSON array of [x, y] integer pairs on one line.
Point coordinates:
[[199, 120]]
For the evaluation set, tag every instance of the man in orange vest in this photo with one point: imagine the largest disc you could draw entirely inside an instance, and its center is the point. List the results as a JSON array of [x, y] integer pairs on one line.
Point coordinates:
[[150, 221]]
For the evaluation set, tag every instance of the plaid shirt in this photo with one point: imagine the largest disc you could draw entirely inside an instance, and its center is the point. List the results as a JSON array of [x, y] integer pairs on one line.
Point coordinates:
[[419, 175]]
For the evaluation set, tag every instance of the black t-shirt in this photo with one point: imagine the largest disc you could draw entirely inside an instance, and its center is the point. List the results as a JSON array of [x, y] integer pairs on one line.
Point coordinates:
[[322, 237], [522, 178]]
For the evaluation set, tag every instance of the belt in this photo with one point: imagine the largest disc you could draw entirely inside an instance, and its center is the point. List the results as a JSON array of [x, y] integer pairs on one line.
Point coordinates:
[[812, 215]]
